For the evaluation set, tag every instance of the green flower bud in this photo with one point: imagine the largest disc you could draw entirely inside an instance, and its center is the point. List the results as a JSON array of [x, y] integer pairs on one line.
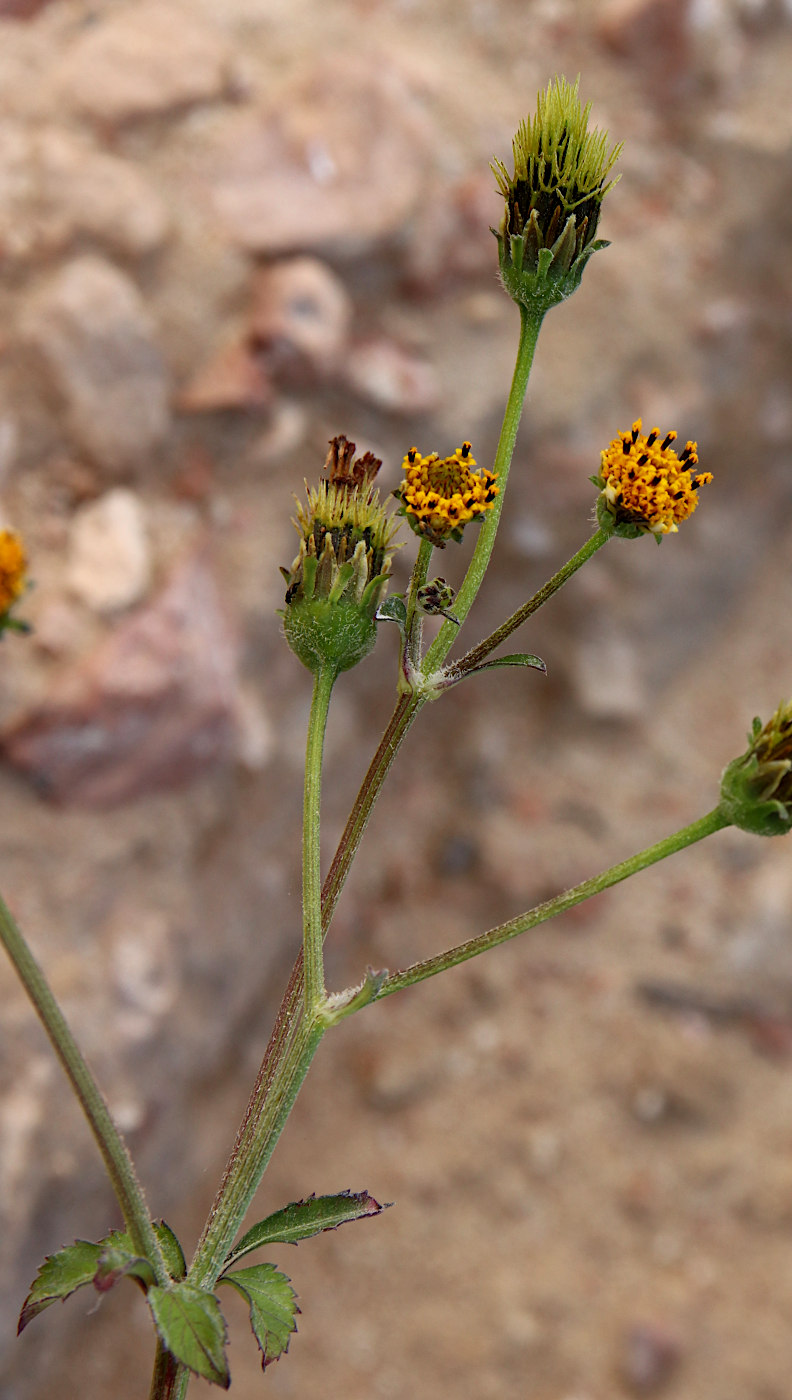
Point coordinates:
[[553, 199], [340, 575], [435, 599], [756, 788]]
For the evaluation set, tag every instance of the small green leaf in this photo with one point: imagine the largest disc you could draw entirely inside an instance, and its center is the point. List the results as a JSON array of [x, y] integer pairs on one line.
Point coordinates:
[[115, 1262], [522, 658], [172, 1252], [60, 1275], [273, 1304], [302, 1219], [101, 1264], [393, 609], [192, 1327]]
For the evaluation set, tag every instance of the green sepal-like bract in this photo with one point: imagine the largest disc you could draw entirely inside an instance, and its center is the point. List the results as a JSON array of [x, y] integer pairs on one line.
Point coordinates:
[[756, 788], [539, 276], [553, 199], [340, 575], [329, 635]]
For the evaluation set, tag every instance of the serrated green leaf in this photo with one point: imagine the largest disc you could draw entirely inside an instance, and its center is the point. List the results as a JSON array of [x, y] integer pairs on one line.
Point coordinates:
[[192, 1327], [301, 1219], [273, 1304], [60, 1275], [101, 1264]]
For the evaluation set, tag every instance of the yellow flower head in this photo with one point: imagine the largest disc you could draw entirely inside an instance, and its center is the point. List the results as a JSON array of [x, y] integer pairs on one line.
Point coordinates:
[[645, 487], [441, 495], [13, 565]]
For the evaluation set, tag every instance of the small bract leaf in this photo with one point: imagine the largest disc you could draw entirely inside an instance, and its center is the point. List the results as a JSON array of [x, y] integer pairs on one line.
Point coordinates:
[[393, 609], [116, 1262], [60, 1275], [522, 658], [273, 1304], [172, 1252], [192, 1327], [301, 1219]]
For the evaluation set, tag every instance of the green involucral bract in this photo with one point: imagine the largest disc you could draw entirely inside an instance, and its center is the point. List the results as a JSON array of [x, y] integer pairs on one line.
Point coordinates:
[[553, 199], [756, 788], [340, 575]]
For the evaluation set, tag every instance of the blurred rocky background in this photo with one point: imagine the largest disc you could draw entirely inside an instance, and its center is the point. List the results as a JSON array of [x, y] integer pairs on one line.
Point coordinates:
[[228, 232]]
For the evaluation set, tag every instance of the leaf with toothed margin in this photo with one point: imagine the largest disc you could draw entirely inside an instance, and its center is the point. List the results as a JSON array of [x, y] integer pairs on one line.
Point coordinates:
[[60, 1275], [101, 1264], [273, 1304], [301, 1219], [192, 1328]]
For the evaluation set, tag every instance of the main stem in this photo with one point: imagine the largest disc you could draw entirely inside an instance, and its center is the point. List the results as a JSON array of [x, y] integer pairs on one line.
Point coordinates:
[[295, 1037], [311, 871], [273, 1099], [115, 1154], [296, 1034], [429, 967], [477, 654]]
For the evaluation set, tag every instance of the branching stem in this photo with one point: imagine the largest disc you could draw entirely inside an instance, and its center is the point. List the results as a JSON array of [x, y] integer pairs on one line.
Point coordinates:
[[429, 967]]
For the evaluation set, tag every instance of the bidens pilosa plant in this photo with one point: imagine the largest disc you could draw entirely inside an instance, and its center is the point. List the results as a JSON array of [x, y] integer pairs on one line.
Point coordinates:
[[336, 601]]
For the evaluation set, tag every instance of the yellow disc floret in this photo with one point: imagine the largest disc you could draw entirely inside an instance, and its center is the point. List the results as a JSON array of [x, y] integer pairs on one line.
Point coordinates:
[[646, 487], [441, 495], [12, 569]]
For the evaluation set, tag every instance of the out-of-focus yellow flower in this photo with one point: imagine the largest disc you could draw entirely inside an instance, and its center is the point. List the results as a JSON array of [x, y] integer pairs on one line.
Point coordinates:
[[13, 566]]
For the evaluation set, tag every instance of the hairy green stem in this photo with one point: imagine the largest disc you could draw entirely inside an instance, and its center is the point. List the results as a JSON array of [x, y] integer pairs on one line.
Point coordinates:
[[311, 871], [479, 653], [115, 1154], [530, 325], [272, 1102], [429, 967], [413, 629], [170, 1378], [296, 1034], [408, 706]]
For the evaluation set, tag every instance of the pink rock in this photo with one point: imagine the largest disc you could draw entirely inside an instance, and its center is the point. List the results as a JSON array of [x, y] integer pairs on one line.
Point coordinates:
[[142, 60], [451, 236], [655, 36], [94, 336], [55, 189], [300, 314], [233, 377], [339, 158], [21, 9], [651, 1357], [153, 707], [392, 377]]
